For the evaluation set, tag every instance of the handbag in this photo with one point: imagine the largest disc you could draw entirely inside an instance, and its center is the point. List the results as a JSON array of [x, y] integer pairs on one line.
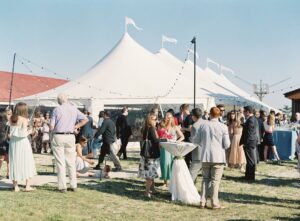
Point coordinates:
[[146, 146], [4, 145]]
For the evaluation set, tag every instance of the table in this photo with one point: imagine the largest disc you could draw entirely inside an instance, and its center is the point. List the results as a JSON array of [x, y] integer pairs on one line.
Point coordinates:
[[284, 141], [181, 186]]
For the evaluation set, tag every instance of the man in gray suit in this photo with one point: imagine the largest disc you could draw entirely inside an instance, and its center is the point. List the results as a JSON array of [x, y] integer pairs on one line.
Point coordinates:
[[214, 140], [196, 165]]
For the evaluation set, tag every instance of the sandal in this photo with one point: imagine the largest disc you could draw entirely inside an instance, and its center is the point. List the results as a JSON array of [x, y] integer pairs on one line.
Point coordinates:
[[29, 189], [203, 206], [16, 190], [218, 207]]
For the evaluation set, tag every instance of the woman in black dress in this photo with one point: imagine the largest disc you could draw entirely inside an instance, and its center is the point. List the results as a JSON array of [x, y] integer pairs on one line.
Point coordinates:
[[148, 167]]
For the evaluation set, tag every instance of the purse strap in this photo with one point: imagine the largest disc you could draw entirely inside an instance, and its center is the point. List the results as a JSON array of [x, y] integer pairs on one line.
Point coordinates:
[[146, 138], [7, 125]]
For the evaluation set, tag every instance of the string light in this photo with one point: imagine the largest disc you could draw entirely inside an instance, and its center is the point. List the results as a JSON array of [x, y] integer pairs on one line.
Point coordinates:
[[99, 89], [282, 89], [178, 75]]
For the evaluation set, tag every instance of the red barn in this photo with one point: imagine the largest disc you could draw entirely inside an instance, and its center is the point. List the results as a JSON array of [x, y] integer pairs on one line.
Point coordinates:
[[25, 85]]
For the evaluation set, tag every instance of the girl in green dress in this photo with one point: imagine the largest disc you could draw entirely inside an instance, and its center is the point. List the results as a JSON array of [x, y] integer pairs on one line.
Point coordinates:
[[170, 131]]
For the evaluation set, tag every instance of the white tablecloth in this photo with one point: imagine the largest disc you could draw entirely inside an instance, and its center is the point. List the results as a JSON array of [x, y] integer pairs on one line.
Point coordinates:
[[181, 186]]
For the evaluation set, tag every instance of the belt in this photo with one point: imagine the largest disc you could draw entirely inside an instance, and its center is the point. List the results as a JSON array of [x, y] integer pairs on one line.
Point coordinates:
[[65, 133]]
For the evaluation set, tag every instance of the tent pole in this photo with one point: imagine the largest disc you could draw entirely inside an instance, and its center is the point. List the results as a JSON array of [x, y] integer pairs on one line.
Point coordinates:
[[12, 80], [161, 110], [194, 42]]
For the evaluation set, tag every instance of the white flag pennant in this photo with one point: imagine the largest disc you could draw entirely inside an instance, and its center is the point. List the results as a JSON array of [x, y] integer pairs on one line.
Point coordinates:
[[130, 21], [167, 39], [208, 60], [190, 51]]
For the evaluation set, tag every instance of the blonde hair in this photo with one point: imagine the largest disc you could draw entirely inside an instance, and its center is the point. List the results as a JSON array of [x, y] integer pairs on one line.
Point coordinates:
[[171, 120]]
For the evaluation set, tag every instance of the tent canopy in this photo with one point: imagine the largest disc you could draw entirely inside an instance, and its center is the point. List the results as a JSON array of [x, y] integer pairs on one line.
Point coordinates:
[[130, 74]]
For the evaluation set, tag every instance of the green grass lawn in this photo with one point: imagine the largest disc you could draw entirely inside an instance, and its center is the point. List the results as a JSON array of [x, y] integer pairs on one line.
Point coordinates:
[[275, 196]]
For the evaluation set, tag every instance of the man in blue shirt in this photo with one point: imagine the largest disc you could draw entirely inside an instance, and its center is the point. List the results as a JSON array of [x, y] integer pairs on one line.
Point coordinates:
[[64, 123]]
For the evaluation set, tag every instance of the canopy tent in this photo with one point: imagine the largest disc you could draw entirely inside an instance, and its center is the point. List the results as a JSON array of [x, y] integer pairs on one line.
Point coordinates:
[[245, 98], [128, 74], [211, 83]]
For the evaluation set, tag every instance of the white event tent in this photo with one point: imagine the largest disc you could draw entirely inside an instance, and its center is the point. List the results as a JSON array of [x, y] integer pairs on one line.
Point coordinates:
[[212, 84], [128, 74]]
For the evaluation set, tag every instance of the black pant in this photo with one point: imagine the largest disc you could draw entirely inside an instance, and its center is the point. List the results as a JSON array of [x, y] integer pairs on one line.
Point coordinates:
[[250, 153], [261, 151], [124, 141], [105, 149]]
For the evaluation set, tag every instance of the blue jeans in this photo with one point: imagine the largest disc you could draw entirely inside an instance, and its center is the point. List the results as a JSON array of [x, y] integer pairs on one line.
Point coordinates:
[[96, 145]]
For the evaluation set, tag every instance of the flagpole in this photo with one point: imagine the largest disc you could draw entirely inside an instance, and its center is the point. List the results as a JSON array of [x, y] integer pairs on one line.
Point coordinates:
[[194, 42], [12, 79]]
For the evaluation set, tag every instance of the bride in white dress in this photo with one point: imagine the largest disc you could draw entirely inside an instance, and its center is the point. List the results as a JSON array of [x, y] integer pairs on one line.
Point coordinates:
[[21, 162]]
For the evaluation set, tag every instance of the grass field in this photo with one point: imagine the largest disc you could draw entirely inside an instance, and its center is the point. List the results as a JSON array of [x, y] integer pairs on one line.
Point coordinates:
[[274, 196]]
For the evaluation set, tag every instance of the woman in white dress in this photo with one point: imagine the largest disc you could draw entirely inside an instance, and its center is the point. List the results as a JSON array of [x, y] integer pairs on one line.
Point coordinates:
[[21, 162], [82, 163]]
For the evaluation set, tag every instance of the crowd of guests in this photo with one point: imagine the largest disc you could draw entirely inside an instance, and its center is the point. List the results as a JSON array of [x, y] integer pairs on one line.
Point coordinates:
[[69, 134], [240, 141]]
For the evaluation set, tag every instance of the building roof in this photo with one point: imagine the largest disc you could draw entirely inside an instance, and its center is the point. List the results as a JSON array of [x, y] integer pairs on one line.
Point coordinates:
[[25, 85], [295, 94]]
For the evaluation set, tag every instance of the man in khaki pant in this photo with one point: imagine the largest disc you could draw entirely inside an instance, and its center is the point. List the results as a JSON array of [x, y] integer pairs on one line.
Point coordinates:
[[64, 123], [214, 140]]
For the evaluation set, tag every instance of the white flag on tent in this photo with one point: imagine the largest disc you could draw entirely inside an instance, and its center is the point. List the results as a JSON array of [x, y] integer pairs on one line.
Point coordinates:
[[226, 69], [190, 51], [130, 21], [208, 60], [167, 39]]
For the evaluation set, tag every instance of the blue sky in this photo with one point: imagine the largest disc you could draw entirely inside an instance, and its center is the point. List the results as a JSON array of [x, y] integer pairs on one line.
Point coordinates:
[[257, 39]]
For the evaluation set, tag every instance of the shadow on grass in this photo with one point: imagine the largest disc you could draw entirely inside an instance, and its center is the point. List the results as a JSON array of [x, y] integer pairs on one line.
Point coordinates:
[[239, 219], [47, 173], [296, 218], [269, 181], [259, 200], [131, 188]]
